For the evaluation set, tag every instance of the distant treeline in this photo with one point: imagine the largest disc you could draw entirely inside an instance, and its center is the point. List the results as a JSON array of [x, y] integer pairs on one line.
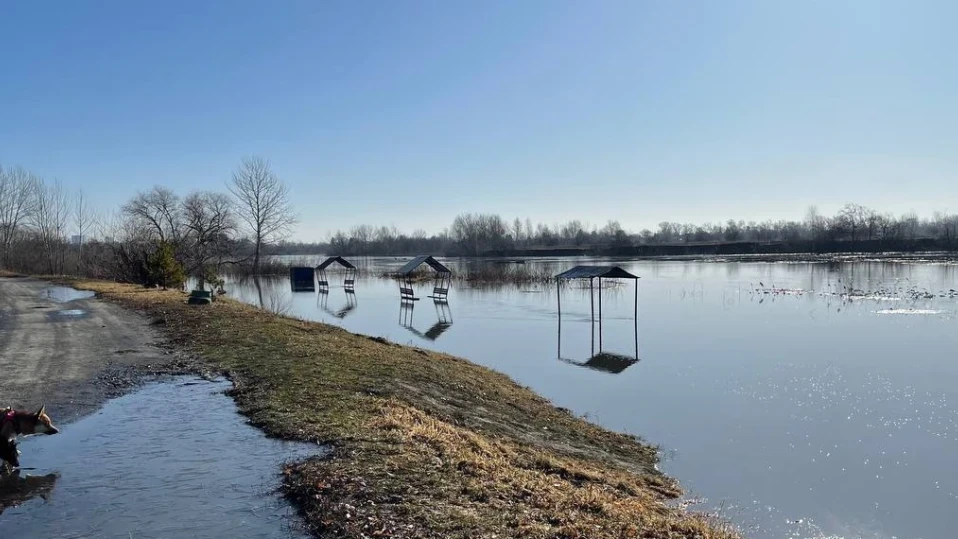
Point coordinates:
[[854, 228]]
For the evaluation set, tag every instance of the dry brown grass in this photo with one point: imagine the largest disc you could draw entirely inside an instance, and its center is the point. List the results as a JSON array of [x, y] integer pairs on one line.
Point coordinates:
[[425, 444]]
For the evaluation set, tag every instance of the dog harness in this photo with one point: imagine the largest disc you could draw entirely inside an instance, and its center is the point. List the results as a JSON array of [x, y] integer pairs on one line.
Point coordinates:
[[10, 416]]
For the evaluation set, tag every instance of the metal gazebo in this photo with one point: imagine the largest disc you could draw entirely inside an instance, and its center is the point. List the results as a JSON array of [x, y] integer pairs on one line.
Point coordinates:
[[440, 291], [603, 361], [349, 279]]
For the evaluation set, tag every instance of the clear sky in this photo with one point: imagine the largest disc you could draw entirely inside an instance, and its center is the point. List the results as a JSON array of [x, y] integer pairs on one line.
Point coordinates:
[[407, 113]]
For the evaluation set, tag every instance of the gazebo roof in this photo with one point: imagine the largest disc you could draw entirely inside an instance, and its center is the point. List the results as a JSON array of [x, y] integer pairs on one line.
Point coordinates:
[[420, 260], [335, 259], [591, 272]]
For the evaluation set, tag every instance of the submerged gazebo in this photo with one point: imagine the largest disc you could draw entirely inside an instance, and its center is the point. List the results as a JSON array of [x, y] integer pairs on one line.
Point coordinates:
[[603, 361], [440, 291], [592, 273], [349, 280]]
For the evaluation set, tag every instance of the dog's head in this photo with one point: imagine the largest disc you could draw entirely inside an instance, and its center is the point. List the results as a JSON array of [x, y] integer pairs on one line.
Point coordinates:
[[42, 424]]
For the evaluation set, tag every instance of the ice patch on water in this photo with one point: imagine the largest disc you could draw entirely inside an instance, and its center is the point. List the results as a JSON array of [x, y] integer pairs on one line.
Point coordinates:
[[872, 298], [775, 291], [911, 311]]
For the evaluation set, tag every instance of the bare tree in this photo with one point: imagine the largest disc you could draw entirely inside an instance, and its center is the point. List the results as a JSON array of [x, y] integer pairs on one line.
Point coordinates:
[[158, 211], [263, 204], [209, 221], [853, 218], [51, 212], [363, 233], [82, 217], [16, 204]]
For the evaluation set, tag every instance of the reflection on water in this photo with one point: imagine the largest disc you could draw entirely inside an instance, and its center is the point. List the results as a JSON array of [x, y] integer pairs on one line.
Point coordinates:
[[830, 412], [171, 460], [322, 300], [443, 319], [269, 296], [606, 362], [19, 487]]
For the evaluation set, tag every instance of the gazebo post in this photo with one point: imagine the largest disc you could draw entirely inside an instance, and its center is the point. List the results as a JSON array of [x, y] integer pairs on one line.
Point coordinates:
[[558, 298], [635, 319], [559, 319], [600, 315], [592, 312], [592, 298]]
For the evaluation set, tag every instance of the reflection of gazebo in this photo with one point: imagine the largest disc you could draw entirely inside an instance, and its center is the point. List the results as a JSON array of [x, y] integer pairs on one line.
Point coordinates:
[[603, 361], [440, 291], [349, 279], [323, 301], [443, 316], [606, 362]]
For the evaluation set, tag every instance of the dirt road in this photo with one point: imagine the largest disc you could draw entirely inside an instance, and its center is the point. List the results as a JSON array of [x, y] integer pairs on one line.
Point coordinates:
[[68, 351]]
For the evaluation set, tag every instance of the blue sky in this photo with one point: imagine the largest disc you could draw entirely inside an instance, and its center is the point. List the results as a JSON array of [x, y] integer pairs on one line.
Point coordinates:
[[408, 113]]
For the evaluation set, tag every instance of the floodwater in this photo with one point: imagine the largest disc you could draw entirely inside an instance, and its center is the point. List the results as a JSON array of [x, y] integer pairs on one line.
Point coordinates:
[[173, 459], [65, 294], [795, 399]]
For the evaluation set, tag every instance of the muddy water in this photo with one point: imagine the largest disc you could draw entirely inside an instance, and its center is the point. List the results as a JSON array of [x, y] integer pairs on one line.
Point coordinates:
[[171, 460]]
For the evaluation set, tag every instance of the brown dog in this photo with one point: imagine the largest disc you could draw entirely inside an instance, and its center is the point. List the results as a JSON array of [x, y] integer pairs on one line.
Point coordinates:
[[14, 423]]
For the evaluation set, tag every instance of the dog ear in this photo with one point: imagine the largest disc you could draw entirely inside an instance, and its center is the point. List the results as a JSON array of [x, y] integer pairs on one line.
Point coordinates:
[[43, 408]]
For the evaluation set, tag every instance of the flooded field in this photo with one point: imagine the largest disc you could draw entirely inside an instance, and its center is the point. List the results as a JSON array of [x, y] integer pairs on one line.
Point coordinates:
[[171, 460], [796, 399]]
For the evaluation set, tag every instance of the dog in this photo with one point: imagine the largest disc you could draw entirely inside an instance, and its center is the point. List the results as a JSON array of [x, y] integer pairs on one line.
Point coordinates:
[[14, 423]]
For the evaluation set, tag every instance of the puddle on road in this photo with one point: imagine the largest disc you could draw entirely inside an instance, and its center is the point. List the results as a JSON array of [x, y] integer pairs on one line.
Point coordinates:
[[171, 460], [68, 313], [65, 294]]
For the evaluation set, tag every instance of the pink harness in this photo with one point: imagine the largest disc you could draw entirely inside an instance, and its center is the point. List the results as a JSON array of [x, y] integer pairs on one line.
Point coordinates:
[[10, 416]]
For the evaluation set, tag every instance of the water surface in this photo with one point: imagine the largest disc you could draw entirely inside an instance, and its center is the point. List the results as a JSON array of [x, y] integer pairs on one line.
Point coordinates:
[[171, 460], [796, 399]]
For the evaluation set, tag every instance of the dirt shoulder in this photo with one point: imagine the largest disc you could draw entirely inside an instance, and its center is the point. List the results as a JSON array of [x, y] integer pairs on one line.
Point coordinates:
[[72, 355], [425, 444]]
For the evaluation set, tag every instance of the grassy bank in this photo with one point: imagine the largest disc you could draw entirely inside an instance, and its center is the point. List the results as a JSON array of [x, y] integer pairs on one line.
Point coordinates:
[[425, 444]]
